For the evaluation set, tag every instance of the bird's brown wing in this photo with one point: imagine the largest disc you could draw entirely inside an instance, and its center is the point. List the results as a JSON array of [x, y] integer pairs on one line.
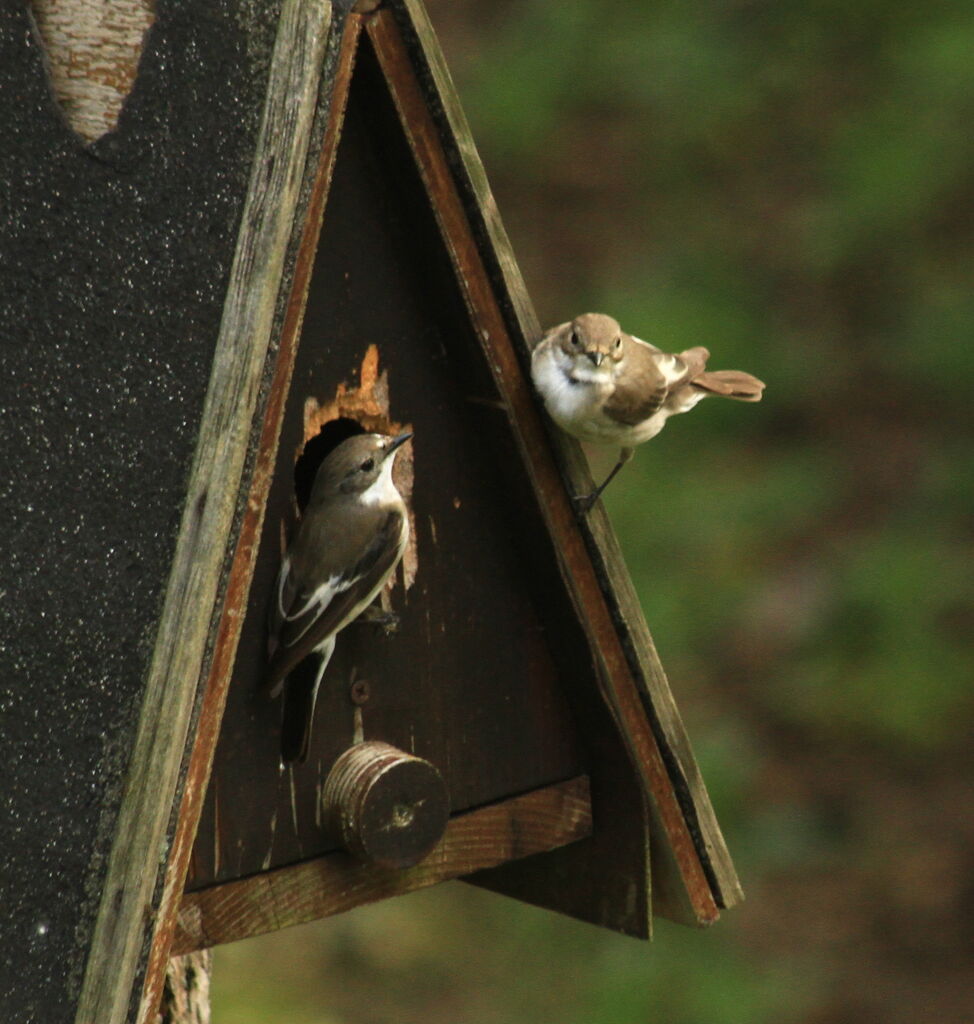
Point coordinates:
[[643, 388], [314, 614]]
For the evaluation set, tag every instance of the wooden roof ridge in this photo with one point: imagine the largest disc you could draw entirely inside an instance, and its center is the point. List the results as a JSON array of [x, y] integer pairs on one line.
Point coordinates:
[[699, 823]]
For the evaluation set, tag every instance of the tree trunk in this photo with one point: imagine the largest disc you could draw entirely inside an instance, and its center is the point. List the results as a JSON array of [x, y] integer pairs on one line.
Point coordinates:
[[186, 997]]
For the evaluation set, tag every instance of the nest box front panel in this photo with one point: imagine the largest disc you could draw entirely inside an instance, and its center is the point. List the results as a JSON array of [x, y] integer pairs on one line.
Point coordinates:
[[476, 675]]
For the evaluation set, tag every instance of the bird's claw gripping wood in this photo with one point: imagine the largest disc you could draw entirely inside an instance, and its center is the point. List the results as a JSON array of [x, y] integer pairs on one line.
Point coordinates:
[[387, 621]]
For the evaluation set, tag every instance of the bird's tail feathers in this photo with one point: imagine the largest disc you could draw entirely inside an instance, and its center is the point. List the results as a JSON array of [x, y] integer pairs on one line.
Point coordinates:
[[730, 384], [300, 696], [297, 715]]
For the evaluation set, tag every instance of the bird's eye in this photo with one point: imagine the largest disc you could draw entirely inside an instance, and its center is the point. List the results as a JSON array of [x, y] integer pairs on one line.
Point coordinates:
[[576, 337], [368, 465], [619, 341]]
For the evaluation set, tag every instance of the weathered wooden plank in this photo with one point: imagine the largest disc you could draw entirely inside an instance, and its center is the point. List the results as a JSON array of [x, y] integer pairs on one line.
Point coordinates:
[[660, 707], [211, 504], [542, 820], [337, 73], [651, 686], [604, 880]]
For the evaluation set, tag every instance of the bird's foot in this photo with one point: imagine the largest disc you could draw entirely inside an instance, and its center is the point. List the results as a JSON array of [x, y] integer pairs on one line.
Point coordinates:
[[388, 622], [583, 502]]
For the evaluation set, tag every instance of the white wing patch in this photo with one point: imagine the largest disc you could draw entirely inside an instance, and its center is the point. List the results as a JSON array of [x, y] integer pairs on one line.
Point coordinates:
[[672, 367], [321, 597]]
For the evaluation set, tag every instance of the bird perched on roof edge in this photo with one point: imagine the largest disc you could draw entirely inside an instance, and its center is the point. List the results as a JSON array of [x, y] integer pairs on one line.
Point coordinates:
[[603, 385], [351, 538]]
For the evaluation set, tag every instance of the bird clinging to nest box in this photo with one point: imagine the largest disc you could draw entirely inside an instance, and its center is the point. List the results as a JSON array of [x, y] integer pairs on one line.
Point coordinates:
[[603, 385]]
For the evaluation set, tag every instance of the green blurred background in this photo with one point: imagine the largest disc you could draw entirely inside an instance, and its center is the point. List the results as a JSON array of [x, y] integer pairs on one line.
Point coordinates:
[[792, 185]]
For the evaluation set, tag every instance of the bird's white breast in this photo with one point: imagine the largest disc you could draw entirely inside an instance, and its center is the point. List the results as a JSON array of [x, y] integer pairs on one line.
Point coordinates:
[[573, 393], [382, 491]]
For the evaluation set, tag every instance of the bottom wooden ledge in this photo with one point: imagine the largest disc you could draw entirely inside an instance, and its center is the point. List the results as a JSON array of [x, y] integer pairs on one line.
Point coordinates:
[[533, 823]]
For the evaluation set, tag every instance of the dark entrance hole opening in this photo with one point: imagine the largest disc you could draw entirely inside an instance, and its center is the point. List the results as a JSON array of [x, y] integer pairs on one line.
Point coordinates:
[[316, 451]]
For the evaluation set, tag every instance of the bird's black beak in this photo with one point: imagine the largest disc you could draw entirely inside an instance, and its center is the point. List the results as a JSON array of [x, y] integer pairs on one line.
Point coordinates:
[[596, 358], [396, 442]]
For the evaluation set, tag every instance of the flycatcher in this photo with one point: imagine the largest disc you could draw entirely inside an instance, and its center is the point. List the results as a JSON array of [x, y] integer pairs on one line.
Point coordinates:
[[349, 542], [603, 385]]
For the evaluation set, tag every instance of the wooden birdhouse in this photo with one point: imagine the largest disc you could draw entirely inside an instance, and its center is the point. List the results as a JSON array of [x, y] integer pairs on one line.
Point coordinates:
[[289, 239]]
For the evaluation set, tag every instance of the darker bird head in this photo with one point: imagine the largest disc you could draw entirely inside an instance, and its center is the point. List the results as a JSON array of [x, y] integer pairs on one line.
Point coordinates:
[[359, 463], [592, 340]]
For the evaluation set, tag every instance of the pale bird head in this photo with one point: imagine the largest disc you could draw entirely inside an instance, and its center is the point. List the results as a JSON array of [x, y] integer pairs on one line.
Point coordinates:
[[354, 465], [593, 341]]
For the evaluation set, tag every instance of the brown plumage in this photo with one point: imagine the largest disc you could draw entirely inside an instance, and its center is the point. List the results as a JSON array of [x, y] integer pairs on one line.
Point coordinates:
[[603, 385], [350, 540]]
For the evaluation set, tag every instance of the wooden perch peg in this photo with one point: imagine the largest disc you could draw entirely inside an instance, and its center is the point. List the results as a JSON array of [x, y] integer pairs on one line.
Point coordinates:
[[388, 807]]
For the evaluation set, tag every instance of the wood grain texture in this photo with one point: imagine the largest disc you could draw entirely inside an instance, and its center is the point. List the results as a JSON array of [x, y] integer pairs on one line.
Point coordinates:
[[192, 592], [388, 807], [525, 825], [93, 50], [693, 874], [475, 677], [186, 995], [605, 879], [241, 570]]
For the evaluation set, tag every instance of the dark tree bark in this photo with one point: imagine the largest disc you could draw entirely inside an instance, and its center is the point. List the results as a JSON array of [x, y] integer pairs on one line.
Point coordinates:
[[186, 997]]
